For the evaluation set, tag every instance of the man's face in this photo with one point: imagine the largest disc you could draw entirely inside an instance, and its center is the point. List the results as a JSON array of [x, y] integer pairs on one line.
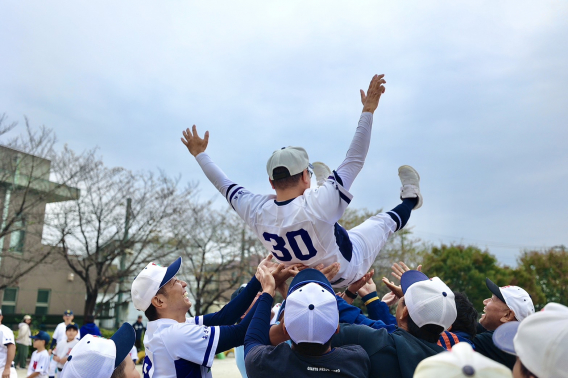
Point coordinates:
[[130, 369], [140, 319], [71, 334], [68, 318], [38, 343], [175, 295], [493, 312]]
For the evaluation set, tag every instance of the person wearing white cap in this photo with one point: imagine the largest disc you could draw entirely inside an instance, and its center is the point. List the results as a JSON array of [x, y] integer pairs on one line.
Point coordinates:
[[299, 223], [426, 307], [507, 304], [177, 346], [461, 362], [311, 319], [97, 357], [540, 343]]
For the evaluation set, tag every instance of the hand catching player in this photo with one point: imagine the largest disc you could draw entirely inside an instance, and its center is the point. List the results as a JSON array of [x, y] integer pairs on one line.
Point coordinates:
[[193, 142], [371, 99]]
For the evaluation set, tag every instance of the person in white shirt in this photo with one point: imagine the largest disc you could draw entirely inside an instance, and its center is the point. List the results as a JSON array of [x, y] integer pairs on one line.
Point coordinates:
[[299, 223], [39, 363], [7, 351], [64, 347], [59, 335]]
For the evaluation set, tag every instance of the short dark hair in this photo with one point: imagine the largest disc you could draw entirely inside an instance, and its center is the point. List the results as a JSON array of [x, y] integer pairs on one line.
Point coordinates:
[[151, 312], [428, 332], [119, 371], [312, 349], [286, 182], [466, 320]]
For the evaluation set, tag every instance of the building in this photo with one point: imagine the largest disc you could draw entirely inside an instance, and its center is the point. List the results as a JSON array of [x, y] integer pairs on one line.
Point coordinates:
[[36, 278]]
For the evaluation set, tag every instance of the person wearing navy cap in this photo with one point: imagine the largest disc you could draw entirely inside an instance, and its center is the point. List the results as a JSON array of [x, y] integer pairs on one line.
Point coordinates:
[[39, 363], [59, 335], [426, 307]]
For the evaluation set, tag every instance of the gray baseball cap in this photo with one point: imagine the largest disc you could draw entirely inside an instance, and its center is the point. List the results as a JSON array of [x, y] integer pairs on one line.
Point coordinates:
[[294, 159]]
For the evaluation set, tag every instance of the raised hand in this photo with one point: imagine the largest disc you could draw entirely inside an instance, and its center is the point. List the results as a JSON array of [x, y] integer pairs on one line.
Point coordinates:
[[193, 142], [355, 286], [399, 269], [371, 99], [395, 289], [329, 272], [368, 288], [264, 275]]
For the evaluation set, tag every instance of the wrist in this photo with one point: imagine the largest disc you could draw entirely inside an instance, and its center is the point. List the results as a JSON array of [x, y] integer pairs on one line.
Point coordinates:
[[368, 110], [368, 296], [270, 291], [350, 294]]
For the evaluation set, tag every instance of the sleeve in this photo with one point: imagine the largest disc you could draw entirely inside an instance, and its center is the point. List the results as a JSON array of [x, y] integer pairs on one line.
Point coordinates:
[[241, 200], [377, 309], [232, 311], [191, 342], [353, 315], [355, 158], [329, 201], [7, 337], [258, 331], [234, 335]]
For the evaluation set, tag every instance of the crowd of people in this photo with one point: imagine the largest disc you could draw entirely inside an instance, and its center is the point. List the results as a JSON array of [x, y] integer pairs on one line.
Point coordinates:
[[316, 331]]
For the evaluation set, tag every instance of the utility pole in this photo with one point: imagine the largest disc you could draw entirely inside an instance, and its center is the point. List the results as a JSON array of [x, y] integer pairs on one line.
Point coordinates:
[[119, 304]]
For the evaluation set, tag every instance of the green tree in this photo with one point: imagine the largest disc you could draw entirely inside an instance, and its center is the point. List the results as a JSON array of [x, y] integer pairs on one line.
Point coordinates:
[[544, 274], [464, 269]]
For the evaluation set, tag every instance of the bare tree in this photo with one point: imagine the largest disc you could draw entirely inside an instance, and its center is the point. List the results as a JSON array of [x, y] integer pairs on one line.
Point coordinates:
[[219, 254], [121, 222], [25, 188]]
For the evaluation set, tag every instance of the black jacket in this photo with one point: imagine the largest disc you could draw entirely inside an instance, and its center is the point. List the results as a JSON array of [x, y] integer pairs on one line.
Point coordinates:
[[484, 344]]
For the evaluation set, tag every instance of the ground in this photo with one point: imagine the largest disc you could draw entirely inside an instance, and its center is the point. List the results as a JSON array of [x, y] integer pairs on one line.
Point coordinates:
[[226, 368]]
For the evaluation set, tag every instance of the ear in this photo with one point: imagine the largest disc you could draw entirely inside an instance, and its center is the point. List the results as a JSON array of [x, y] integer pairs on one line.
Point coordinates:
[[271, 183], [158, 301], [404, 315], [508, 317], [284, 329], [449, 329], [306, 177]]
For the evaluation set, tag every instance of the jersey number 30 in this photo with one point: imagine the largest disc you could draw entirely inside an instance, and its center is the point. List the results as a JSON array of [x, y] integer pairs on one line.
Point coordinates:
[[282, 253]]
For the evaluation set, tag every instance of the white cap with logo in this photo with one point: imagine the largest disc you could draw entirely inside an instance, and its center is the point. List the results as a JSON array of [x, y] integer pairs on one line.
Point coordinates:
[[515, 297], [149, 281], [540, 341], [461, 361], [429, 301], [294, 159], [97, 357], [311, 314]]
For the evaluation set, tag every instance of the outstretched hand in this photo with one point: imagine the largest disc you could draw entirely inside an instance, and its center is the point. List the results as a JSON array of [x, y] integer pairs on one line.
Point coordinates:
[[264, 275], [371, 99], [368, 288], [395, 289], [357, 285], [193, 141], [398, 269]]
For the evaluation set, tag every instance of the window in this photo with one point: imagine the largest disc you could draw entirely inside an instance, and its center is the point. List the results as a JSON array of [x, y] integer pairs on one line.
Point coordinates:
[[17, 237], [9, 300], [42, 303]]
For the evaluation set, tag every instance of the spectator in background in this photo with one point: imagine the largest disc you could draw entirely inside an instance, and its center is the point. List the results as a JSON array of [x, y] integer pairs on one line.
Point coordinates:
[[461, 362], [464, 328], [508, 304], [139, 329], [311, 318], [23, 342], [7, 350], [89, 328], [426, 307], [540, 343]]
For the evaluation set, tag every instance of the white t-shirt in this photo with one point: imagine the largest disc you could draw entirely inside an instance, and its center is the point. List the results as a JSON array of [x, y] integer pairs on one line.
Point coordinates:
[[179, 349], [59, 333], [64, 348], [7, 337], [39, 363], [302, 230]]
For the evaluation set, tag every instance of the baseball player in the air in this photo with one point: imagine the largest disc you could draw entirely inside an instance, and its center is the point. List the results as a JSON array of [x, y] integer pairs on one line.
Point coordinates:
[[299, 223]]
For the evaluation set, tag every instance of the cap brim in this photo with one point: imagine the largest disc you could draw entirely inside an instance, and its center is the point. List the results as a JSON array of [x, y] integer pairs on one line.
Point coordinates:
[[172, 270], [494, 289], [410, 277], [124, 340], [307, 276], [504, 335]]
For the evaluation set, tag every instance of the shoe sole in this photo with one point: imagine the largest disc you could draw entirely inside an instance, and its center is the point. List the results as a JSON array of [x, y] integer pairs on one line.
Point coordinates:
[[409, 167]]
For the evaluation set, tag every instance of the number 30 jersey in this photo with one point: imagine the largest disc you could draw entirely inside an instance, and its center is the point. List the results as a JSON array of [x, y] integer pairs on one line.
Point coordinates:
[[301, 230]]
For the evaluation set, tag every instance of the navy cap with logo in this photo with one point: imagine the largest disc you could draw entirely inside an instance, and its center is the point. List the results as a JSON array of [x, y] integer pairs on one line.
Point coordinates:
[[42, 335], [72, 326], [67, 313]]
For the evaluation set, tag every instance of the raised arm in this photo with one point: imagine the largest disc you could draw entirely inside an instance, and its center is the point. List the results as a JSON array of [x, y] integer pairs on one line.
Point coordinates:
[[353, 163]]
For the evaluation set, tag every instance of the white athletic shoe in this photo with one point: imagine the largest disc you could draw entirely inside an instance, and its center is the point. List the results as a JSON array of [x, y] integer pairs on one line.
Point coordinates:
[[410, 180], [321, 171]]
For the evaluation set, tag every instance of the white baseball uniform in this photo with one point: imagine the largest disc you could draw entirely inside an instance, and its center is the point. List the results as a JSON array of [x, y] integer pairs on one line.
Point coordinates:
[[305, 229], [39, 363], [64, 348], [179, 349], [7, 338], [58, 335]]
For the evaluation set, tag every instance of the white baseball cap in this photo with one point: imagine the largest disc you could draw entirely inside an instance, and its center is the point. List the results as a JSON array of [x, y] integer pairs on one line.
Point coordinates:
[[294, 159], [516, 298], [540, 341], [97, 357], [311, 314], [461, 362], [429, 301], [149, 281]]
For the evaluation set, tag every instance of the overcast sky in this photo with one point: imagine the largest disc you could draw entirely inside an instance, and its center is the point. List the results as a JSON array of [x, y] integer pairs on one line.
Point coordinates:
[[476, 99]]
